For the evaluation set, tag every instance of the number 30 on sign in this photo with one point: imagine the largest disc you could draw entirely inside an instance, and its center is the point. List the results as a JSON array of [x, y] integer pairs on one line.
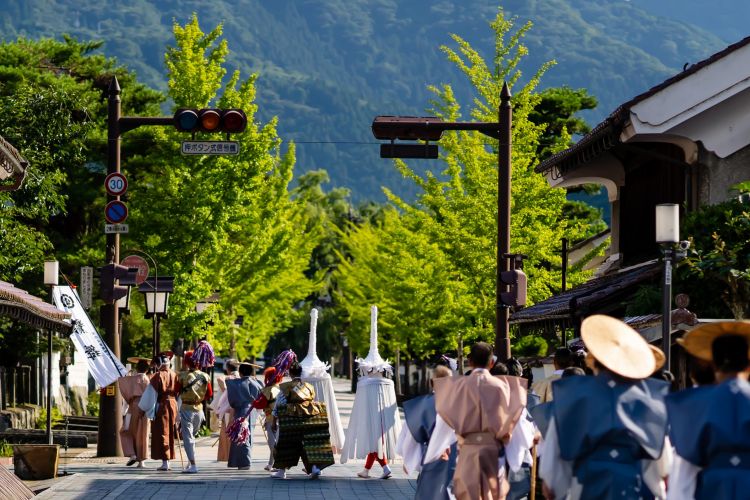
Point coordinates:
[[116, 184]]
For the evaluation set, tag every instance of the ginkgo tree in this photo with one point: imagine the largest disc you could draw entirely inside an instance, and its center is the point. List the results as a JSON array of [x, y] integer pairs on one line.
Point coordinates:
[[225, 223], [455, 210]]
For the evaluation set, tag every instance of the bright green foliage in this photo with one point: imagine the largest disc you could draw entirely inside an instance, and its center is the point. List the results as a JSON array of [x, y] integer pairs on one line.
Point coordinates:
[[457, 210], [431, 269], [52, 110], [719, 261], [411, 281], [223, 223]]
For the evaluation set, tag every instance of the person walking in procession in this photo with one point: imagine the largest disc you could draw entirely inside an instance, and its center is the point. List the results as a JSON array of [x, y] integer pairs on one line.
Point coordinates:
[[482, 410], [223, 411], [420, 416], [374, 424], [710, 425], [241, 393], [194, 388], [607, 433], [134, 432], [159, 402], [302, 428], [266, 402]]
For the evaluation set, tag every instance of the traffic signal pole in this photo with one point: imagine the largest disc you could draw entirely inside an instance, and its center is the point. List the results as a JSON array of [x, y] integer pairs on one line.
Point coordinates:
[[227, 121], [502, 313], [110, 414], [430, 128]]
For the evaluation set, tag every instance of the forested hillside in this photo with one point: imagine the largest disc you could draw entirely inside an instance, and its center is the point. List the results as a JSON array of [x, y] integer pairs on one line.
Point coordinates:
[[326, 67]]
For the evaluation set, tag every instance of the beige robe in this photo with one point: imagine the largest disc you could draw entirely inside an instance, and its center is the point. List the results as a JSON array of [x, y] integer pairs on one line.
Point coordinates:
[[543, 388], [134, 435], [482, 410], [226, 417]]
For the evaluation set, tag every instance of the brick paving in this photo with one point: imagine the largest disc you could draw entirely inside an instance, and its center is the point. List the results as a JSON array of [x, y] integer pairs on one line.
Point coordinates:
[[108, 478]]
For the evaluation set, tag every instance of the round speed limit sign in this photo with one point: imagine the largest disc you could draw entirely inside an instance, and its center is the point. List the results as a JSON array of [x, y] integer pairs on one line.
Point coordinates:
[[116, 184]]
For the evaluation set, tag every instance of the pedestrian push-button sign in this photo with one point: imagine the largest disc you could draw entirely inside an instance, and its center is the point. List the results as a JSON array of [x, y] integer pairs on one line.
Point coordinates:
[[115, 212]]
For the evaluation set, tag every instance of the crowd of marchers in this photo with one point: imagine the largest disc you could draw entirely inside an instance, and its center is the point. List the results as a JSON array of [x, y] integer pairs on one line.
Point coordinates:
[[606, 424]]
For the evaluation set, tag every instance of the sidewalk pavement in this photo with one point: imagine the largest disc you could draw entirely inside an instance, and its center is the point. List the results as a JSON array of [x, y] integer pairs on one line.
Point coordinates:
[[108, 478]]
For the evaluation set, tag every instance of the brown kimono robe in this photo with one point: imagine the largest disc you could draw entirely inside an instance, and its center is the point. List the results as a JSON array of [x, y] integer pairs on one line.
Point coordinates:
[[134, 439], [166, 384], [483, 410]]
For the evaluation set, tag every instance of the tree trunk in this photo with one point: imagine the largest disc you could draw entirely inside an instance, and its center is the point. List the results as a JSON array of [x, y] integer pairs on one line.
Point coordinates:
[[460, 359], [398, 372], [407, 378]]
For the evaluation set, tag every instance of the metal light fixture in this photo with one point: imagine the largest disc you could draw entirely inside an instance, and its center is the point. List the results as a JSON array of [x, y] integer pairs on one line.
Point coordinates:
[[51, 272], [667, 223], [667, 235]]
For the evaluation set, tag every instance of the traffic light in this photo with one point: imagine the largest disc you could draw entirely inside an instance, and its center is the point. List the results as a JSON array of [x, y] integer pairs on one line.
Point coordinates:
[[230, 121], [516, 297], [114, 280]]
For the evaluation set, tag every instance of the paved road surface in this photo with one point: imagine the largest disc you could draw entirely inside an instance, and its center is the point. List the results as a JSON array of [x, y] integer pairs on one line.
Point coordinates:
[[106, 478]]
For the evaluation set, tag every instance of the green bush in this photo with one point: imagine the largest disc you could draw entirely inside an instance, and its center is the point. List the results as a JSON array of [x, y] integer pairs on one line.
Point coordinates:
[[92, 406], [6, 450], [41, 421], [529, 346]]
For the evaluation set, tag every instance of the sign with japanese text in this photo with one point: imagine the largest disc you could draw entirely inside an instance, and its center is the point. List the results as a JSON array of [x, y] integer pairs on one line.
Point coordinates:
[[87, 285], [116, 228], [210, 148], [103, 365]]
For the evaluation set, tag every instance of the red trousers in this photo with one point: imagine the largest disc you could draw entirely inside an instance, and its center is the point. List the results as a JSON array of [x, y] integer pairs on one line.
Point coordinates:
[[370, 460]]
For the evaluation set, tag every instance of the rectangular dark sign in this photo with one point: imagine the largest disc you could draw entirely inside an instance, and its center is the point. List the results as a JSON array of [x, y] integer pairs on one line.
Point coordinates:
[[429, 151]]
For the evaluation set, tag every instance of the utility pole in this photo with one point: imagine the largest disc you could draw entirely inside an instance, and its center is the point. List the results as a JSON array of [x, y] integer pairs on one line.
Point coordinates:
[[502, 313], [110, 414], [510, 287]]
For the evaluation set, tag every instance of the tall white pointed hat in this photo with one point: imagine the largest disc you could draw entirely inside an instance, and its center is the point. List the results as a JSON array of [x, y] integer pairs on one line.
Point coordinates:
[[312, 366], [373, 361]]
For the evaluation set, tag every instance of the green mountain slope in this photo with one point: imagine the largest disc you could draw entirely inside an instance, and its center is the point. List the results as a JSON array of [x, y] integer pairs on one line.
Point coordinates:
[[326, 67]]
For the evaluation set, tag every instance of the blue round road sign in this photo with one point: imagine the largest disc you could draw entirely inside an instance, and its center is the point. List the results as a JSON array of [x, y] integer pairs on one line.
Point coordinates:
[[115, 212]]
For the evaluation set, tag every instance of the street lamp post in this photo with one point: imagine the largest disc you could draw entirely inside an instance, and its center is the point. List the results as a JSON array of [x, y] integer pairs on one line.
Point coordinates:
[[430, 129], [51, 273], [667, 235], [156, 293]]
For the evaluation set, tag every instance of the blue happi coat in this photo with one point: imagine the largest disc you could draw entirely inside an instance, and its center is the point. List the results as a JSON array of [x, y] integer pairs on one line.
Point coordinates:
[[241, 392], [710, 428], [606, 426], [433, 480]]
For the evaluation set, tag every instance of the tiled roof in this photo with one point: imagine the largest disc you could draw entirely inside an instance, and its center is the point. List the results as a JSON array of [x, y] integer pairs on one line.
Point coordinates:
[[32, 310], [609, 128], [597, 290]]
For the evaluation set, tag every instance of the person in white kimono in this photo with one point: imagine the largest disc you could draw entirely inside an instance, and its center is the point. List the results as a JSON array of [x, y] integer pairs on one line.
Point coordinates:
[[374, 424]]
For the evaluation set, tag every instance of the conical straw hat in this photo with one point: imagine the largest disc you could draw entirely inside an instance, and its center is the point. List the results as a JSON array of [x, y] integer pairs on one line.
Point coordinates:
[[312, 366], [698, 341], [373, 361], [618, 347], [659, 357]]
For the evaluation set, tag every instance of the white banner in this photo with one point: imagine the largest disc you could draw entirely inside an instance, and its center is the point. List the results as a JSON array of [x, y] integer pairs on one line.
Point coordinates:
[[103, 365]]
